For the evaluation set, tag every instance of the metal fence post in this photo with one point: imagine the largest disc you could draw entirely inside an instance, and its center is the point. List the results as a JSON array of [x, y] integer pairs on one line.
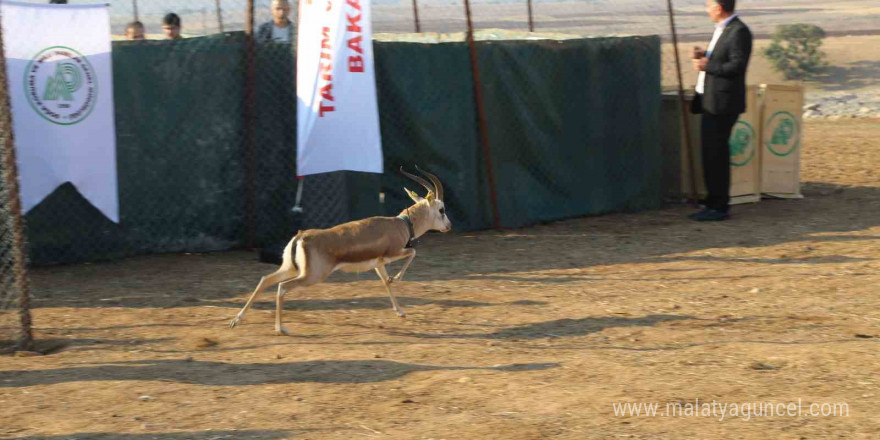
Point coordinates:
[[416, 16], [15, 219], [684, 111], [481, 115], [531, 18], [249, 127], [219, 15]]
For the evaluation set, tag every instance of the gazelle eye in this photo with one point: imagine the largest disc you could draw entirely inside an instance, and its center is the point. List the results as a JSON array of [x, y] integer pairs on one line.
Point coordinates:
[[442, 211]]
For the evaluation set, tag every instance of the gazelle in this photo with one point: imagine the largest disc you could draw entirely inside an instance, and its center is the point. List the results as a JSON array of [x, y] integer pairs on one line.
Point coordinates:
[[358, 246]]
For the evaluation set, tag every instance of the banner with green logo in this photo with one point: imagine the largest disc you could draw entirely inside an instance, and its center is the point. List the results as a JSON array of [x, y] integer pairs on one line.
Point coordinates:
[[61, 90]]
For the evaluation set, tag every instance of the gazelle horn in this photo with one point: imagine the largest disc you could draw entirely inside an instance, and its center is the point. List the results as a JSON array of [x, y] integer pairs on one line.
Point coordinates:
[[419, 180], [438, 186]]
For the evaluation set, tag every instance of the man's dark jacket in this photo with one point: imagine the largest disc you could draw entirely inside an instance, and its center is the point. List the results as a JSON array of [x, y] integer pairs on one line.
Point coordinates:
[[725, 86]]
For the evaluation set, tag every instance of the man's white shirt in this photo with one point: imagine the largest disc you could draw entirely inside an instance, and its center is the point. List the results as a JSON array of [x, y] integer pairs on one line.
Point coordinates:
[[719, 29]]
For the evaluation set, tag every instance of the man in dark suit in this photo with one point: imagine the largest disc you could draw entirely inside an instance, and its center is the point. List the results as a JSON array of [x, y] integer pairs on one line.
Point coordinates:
[[720, 98]]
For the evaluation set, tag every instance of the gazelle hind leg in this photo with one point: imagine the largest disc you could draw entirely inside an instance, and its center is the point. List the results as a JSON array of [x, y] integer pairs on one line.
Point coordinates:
[[289, 269], [314, 269], [266, 281], [383, 275], [283, 288]]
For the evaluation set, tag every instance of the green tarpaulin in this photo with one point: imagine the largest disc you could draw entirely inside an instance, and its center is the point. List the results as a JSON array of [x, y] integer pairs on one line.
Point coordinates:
[[573, 127]]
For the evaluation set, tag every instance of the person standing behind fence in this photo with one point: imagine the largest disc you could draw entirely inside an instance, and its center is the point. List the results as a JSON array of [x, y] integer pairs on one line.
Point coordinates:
[[134, 31], [280, 28], [720, 98], [171, 26]]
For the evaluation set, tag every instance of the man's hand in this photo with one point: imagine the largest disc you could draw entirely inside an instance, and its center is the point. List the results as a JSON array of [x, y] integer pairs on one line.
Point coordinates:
[[700, 64], [698, 53]]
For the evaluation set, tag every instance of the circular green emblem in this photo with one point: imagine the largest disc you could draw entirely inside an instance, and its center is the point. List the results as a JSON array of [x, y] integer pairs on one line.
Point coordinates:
[[785, 134], [61, 85], [742, 144]]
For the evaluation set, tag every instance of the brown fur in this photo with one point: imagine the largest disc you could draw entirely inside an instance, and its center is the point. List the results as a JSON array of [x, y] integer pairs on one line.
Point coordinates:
[[361, 240]]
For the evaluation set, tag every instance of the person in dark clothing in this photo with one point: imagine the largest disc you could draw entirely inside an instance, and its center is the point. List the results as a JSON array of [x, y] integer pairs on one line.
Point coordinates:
[[280, 28], [134, 31], [171, 26], [720, 99]]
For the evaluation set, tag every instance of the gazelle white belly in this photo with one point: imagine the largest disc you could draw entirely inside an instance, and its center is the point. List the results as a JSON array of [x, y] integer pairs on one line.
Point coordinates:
[[362, 266]]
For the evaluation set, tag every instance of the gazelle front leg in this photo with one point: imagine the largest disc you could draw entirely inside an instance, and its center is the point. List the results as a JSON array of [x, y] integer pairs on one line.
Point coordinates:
[[409, 253], [383, 275]]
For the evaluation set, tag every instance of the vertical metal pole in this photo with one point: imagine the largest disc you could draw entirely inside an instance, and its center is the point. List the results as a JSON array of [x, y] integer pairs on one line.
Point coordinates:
[[481, 115], [134, 5], [531, 18], [219, 15], [684, 111], [249, 126], [204, 21], [15, 222], [416, 15]]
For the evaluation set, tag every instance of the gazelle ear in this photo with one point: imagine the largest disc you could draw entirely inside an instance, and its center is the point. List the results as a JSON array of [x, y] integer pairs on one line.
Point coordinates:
[[415, 197]]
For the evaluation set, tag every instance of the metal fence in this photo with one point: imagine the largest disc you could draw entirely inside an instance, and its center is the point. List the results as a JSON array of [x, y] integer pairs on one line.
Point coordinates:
[[15, 318], [572, 17]]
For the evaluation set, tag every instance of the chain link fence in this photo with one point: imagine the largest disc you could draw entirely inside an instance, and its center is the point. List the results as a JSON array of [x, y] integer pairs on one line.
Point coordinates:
[[584, 18], [15, 319], [10, 293], [15, 332]]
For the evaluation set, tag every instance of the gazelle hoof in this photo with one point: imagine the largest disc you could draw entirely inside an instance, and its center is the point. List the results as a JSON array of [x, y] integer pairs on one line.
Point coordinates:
[[400, 314], [234, 322], [281, 331]]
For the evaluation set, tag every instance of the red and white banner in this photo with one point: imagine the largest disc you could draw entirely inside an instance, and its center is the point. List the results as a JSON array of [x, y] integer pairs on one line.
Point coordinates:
[[337, 112]]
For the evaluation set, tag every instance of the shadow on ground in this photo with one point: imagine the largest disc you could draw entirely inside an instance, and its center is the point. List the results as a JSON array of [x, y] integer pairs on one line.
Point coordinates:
[[227, 374], [558, 328], [200, 435], [267, 302]]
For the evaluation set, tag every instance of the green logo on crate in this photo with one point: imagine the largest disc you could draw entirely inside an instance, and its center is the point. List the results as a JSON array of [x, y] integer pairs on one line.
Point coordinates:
[[61, 85], [785, 134], [742, 144]]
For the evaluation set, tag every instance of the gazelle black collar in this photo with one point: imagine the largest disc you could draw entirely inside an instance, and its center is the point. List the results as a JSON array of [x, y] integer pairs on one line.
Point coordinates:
[[411, 242]]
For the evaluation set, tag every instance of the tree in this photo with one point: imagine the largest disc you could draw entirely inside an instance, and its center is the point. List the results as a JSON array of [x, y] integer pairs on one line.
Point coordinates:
[[795, 50]]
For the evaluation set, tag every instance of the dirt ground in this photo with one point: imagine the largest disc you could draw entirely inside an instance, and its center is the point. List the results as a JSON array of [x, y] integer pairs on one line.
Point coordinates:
[[522, 334]]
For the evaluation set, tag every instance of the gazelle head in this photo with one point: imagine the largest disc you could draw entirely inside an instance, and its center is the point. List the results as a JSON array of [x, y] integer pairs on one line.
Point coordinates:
[[430, 210]]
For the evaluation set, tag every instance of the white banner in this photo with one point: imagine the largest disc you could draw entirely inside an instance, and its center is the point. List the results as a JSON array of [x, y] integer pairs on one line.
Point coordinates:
[[337, 113], [61, 87]]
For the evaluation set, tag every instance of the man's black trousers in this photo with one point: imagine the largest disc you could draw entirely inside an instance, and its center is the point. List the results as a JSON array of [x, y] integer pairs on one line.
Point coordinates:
[[715, 133]]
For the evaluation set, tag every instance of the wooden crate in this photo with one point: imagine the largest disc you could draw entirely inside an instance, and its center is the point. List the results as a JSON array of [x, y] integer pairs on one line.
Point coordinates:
[[745, 162], [781, 140]]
